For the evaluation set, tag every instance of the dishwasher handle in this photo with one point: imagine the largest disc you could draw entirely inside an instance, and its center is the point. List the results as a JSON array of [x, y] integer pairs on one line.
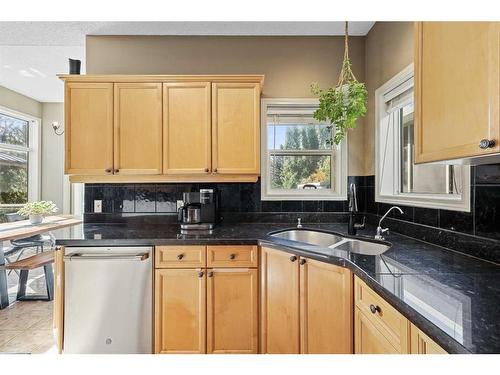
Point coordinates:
[[85, 257]]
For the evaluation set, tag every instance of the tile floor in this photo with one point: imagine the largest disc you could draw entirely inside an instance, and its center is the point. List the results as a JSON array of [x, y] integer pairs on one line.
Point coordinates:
[[26, 326]]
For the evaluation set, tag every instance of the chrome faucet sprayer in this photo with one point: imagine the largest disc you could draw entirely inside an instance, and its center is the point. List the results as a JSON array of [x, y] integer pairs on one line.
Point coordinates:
[[380, 231]]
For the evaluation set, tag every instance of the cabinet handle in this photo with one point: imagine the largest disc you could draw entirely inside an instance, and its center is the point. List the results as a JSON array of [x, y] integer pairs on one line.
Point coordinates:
[[215, 170], [200, 274], [210, 274], [207, 170], [374, 309], [180, 256], [302, 262], [108, 170], [232, 256], [486, 143], [293, 258], [117, 170]]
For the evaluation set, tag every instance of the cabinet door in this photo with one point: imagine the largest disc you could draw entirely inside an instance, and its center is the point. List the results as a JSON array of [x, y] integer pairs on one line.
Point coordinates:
[[279, 302], [326, 303], [138, 128], [180, 310], [58, 318], [423, 344], [235, 128], [232, 313], [456, 89], [186, 128], [88, 114], [368, 339]]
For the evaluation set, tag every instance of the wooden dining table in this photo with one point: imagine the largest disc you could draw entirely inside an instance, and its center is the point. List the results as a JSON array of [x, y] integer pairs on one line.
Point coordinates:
[[23, 229]]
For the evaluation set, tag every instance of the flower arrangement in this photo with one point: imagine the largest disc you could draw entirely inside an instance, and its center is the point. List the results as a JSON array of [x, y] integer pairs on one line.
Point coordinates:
[[37, 210], [343, 104]]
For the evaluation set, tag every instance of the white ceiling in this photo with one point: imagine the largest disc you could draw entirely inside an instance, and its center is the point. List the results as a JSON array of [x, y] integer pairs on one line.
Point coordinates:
[[32, 53]]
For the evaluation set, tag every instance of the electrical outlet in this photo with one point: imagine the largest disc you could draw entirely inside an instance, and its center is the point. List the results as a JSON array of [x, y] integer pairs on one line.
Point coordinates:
[[179, 204], [97, 206]]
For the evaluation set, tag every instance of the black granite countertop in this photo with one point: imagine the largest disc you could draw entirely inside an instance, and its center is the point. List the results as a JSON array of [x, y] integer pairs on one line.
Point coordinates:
[[451, 297]]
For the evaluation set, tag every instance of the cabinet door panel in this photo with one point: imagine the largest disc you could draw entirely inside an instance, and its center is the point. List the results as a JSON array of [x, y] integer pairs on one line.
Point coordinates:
[[456, 89], [232, 313], [180, 310], [423, 344], [325, 308], [280, 303], [235, 128], [88, 113], [186, 128], [138, 128], [368, 339]]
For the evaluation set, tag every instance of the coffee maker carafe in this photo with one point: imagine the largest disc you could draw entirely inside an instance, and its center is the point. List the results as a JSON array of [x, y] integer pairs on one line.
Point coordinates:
[[200, 210]]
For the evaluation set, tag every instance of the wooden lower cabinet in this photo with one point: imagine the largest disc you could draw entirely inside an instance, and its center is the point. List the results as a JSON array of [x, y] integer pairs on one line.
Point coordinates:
[[180, 310], [232, 310], [58, 314], [368, 338], [420, 343], [306, 305]]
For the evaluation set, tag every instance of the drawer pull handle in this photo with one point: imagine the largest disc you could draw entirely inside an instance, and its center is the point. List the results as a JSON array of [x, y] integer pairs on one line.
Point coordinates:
[[293, 258], [302, 262], [108, 170], [210, 274], [374, 309], [200, 274], [232, 256], [207, 170], [486, 143], [180, 256]]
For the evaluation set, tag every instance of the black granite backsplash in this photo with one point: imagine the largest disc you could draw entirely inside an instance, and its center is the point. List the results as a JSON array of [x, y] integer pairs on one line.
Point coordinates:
[[476, 233]]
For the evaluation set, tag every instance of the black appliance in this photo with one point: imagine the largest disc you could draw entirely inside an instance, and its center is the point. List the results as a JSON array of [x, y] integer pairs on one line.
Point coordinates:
[[200, 210]]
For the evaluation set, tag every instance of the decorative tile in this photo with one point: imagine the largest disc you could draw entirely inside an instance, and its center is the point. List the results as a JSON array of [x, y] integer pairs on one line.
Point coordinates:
[[145, 198], [124, 198], [487, 203], [487, 174], [426, 216]]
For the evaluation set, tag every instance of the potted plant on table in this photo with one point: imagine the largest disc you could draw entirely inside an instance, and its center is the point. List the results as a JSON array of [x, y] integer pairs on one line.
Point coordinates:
[[37, 210]]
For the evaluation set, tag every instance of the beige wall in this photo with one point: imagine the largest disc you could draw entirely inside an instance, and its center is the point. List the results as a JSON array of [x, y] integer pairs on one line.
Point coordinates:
[[388, 50], [290, 64], [18, 102]]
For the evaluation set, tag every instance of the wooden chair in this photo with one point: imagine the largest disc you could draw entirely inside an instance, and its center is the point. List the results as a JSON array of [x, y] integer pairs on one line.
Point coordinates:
[[44, 260]]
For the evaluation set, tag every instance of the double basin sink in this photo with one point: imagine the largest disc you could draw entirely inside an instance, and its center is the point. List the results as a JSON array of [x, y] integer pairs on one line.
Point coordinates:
[[325, 242]]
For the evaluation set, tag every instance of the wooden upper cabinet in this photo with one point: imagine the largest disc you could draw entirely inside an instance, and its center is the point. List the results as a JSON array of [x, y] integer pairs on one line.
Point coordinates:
[[235, 128], [187, 128], [456, 89], [88, 117], [138, 128], [280, 332], [232, 310], [180, 310], [326, 305]]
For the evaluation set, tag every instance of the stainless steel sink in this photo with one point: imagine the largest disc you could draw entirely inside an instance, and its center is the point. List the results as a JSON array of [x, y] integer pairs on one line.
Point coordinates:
[[310, 237], [330, 241], [363, 247]]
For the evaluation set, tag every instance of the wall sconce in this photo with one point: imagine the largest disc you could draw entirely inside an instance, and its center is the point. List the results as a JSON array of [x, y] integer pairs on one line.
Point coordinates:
[[57, 128]]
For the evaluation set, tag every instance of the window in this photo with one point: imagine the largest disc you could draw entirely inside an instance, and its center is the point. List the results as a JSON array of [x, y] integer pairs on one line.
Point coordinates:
[[19, 145], [298, 162], [399, 180]]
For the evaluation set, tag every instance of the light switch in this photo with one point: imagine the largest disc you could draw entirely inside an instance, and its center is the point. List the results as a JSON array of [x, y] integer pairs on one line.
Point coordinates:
[[98, 206]]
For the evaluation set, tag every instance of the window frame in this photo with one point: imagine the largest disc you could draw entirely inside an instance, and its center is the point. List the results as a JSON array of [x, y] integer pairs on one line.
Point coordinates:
[[33, 149], [338, 172], [436, 201]]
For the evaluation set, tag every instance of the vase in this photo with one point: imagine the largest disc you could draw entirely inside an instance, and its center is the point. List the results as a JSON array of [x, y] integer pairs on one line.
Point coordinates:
[[36, 219]]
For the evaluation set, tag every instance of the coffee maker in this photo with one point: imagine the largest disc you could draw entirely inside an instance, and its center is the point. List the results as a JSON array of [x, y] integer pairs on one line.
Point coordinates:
[[200, 210]]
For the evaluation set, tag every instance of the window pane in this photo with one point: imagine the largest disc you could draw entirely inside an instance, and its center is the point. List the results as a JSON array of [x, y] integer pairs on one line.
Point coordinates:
[[300, 172], [296, 135], [13, 131], [13, 177], [423, 178]]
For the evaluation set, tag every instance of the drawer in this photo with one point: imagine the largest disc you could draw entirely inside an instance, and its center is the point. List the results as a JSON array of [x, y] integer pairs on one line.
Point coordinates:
[[232, 256], [392, 323], [180, 256]]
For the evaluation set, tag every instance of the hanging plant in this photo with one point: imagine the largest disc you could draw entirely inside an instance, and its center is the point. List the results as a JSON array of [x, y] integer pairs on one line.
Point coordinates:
[[343, 104]]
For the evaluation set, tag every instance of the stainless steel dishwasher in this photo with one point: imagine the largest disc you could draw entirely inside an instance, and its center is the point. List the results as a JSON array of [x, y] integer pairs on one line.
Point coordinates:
[[108, 300]]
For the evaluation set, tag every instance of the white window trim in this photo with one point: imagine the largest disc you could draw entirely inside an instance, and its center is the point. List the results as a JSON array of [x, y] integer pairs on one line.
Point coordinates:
[[437, 201], [268, 194], [34, 152]]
